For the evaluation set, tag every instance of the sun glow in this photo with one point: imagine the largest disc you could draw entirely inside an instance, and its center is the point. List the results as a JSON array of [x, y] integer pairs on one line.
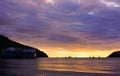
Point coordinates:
[[65, 53], [78, 54]]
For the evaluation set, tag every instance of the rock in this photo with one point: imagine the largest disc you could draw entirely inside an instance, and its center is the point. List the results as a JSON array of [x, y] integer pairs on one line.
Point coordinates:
[[12, 49], [115, 54]]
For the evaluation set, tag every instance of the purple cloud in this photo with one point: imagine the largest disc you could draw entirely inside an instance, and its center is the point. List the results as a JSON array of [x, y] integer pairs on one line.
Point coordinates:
[[87, 23], [62, 38]]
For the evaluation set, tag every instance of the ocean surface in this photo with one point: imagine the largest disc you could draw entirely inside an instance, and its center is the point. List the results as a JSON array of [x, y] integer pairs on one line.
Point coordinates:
[[60, 67]]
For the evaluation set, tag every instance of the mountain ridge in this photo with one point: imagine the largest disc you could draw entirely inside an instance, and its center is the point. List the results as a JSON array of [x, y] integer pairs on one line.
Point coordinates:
[[7, 44], [114, 54]]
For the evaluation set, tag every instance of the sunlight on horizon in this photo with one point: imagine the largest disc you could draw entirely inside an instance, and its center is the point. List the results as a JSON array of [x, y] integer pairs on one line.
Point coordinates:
[[64, 53]]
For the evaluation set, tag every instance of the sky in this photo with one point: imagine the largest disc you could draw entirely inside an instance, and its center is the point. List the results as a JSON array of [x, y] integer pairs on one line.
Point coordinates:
[[62, 28]]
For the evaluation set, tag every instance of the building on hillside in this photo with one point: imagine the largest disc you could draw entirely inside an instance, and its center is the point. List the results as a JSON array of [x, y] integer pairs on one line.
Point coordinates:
[[17, 52]]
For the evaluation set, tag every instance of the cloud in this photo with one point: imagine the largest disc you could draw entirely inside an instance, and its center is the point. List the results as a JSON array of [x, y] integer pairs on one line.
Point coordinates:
[[74, 21], [62, 38], [110, 3]]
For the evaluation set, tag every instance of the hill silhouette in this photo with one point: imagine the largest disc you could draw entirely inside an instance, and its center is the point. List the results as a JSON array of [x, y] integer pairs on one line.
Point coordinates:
[[12, 49], [115, 54]]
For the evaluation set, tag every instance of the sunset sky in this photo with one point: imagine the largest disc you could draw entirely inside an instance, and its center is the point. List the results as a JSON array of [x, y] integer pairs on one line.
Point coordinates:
[[78, 28]]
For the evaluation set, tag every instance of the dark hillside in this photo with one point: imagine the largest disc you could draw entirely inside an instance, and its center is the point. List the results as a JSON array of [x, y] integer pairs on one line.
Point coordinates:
[[12, 49]]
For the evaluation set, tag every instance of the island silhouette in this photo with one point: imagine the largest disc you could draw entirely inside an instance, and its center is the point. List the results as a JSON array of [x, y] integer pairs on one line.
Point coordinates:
[[11, 49], [114, 54]]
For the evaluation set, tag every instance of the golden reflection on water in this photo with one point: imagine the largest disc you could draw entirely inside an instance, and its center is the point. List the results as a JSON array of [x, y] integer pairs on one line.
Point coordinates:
[[80, 65]]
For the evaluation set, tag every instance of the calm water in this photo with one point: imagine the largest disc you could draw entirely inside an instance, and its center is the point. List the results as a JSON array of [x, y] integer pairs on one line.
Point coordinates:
[[61, 67]]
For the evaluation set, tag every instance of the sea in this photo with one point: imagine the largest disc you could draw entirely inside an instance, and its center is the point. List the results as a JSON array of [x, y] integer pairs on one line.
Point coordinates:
[[60, 67]]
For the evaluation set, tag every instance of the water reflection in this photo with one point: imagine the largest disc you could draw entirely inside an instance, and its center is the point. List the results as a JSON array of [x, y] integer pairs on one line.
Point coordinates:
[[18, 67], [60, 67], [104, 66], [4, 69]]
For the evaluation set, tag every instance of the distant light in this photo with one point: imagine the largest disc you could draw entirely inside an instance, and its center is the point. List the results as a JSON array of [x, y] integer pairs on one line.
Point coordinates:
[[90, 13], [116, 5]]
